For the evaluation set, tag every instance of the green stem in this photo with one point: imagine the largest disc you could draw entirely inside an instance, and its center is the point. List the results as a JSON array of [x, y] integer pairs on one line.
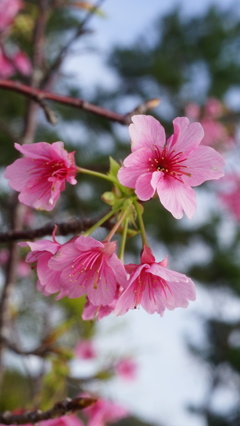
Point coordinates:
[[100, 222], [141, 223], [96, 174], [123, 240], [116, 226]]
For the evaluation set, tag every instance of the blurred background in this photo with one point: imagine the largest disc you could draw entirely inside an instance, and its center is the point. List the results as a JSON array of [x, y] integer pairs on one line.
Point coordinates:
[[187, 55]]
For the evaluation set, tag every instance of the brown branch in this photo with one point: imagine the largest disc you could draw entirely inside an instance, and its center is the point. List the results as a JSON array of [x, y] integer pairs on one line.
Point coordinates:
[[62, 408], [40, 95], [75, 226]]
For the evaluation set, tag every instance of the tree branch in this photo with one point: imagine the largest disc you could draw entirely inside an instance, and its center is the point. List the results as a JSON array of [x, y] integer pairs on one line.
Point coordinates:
[[63, 228], [61, 408], [40, 95]]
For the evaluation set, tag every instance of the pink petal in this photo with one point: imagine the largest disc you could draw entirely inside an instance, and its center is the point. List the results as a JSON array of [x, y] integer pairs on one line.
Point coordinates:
[[17, 173], [118, 269], [144, 189], [187, 136], [147, 256], [126, 301], [177, 197], [146, 131], [38, 151], [204, 164]]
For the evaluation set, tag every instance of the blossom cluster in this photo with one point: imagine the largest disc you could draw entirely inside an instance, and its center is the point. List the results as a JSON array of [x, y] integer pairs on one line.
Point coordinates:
[[84, 266]]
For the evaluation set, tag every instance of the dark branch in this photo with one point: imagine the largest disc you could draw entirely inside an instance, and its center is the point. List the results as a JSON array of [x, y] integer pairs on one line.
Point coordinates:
[[76, 226], [61, 408], [40, 95]]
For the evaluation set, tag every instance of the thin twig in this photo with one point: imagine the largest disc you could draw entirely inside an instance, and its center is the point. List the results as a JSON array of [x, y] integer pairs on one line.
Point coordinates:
[[61, 55], [61, 408]]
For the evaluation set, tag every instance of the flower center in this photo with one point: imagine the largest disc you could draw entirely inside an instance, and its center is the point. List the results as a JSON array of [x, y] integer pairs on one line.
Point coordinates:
[[169, 162]]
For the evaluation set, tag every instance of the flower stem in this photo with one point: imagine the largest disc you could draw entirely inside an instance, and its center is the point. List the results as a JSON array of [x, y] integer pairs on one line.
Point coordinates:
[[123, 240], [96, 174], [141, 223], [116, 226]]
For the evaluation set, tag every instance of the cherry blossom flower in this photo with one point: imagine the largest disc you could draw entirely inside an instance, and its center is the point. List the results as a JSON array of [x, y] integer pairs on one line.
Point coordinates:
[[41, 175], [154, 287], [85, 350], [170, 167], [41, 252], [103, 411], [91, 312], [89, 267], [126, 368], [8, 11]]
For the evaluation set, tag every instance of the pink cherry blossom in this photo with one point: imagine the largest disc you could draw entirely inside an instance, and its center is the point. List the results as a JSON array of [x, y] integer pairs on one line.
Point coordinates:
[[170, 167], [126, 368], [8, 11], [103, 412], [154, 287], [89, 267], [40, 176], [41, 252], [91, 312], [85, 350]]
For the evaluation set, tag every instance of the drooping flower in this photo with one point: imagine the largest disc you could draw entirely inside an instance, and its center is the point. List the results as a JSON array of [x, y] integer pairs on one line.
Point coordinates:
[[41, 175], [41, 252], [91, 312], [154, 287], [8, 11], [89, 267], [85, 350], [103, 412], [170, 167]]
